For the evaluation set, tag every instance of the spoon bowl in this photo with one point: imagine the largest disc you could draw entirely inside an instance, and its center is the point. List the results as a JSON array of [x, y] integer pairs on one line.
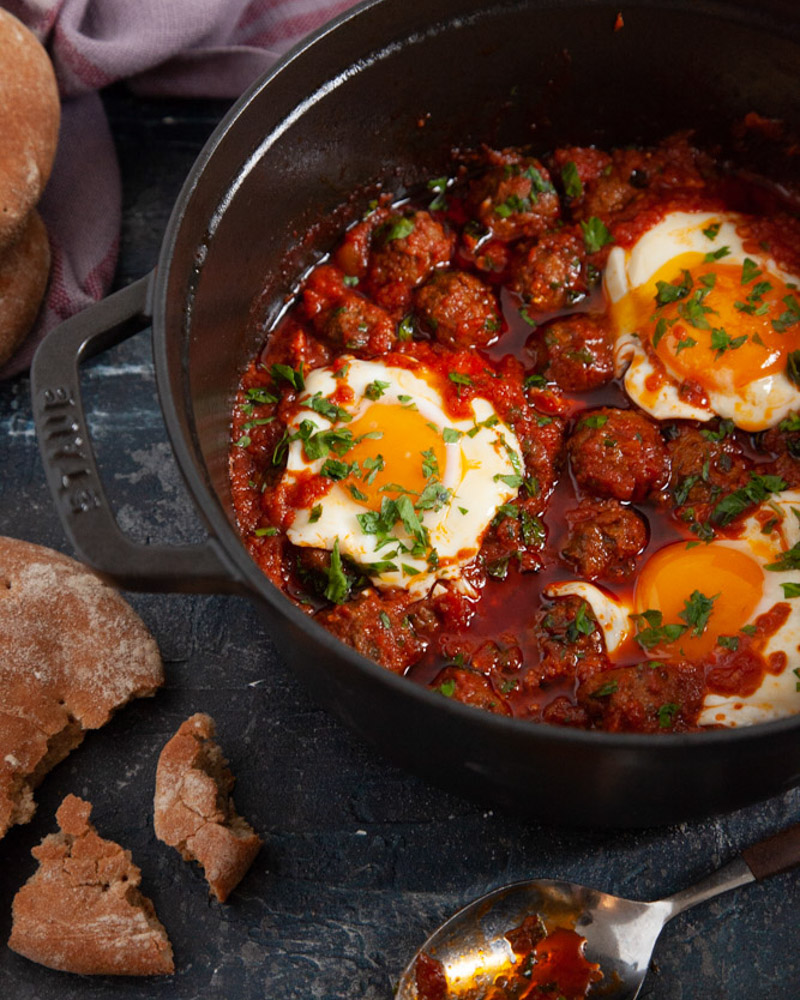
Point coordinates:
[[620, 934]]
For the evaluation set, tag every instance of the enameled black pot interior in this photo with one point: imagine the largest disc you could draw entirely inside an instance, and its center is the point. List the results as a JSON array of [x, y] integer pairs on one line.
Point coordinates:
[[379, 100]]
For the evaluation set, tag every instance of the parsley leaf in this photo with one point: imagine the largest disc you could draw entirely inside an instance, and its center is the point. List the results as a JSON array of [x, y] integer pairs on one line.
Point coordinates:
[[596, 234], [573, 186], [697, 610], [338, 588], [756, 491]]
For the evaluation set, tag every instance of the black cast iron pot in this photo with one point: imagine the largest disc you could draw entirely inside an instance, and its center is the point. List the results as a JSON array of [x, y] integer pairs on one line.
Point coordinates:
[[381, 95]]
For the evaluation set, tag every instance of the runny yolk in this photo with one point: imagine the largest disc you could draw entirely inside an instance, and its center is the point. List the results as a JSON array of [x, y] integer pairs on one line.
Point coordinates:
[[675, 573], [405, 452], [716, 328]]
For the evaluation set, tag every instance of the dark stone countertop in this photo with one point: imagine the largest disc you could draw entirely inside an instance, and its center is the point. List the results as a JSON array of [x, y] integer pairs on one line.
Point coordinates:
[[361, 860]]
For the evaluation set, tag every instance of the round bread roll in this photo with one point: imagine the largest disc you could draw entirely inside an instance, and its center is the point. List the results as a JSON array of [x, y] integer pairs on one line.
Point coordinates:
[[71, 653], [24, 269], [29, 118]]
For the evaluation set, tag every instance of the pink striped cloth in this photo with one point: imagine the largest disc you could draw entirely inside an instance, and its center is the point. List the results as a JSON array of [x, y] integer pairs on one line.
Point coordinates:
[[184, 48]]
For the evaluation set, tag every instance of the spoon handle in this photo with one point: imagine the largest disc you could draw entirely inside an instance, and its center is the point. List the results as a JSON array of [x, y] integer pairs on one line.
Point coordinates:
[[775, 854]]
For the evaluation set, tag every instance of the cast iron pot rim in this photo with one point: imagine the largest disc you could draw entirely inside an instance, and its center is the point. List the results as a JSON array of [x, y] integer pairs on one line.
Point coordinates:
[[258, 587]]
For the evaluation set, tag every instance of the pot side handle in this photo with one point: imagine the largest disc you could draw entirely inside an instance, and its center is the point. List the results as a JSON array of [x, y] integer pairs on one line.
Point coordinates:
[[71, 468]]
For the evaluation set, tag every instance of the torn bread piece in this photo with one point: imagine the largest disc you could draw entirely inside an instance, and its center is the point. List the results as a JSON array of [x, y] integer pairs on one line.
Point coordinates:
[[194, 811], [71, 652], [81, 911]]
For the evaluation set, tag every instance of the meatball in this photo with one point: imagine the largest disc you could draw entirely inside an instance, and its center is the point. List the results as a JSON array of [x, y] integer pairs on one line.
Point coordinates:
[[784, 443], [378, 628], [343, 316], [514, 196], [406, 250], [571, 643], [549, 274], [459, 309], [575, 352], [618, 454], [651, 697], [604, 539], [471, 688], [706, 463]]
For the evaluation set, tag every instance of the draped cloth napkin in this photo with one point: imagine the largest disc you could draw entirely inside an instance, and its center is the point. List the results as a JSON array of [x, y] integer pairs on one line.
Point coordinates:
[[174, 48]]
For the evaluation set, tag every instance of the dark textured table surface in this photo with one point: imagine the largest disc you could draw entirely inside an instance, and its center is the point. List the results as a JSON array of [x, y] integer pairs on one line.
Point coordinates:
[[361, 860]]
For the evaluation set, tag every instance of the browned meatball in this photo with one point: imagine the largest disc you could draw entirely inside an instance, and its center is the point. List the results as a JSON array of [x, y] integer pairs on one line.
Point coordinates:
[[706, 463], [784, 443], [618, 454], [406, 250], [604, 539], [343, 316], [471, 688], [571, 643], [651, 697], [549, 274], [575, 352], [459, 309], [514, 196], [378, 628]]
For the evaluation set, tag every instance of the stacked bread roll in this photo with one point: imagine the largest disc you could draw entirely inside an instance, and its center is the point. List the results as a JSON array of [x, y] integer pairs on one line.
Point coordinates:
[[29, 119]]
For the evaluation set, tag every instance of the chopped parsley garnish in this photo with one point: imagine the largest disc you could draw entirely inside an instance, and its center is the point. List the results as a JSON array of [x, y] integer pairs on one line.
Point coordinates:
[[356, 493], [791, 589], [513, 481], [682, 345], [651, 632], [261, 396], [316, 513], [244, 441], [527, 318], [606, 689], [716, 255], [265, 532], [512, 206], [595, 421], [713, 231], [573, 187], [660, 330], [667, 713], [336, 470], [385, 619], [398, 229], [721, 341], [756, 491], [372, 466], [338, 588], [726, 427], [789, 317], [438, 185], [750, 271], [447, 688], [788, 560], [580, 625], [460, 379], [451, 435], [376, 389], [320, 404], [405, 328], [294, 376], [596, 234], [793, 367], [350, 280], [728, 642], [697, 611], [667, 292], [536, 382], [430, 464]]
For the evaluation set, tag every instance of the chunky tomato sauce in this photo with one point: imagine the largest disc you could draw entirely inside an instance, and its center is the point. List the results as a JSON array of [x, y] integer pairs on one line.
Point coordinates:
[[491, 282]]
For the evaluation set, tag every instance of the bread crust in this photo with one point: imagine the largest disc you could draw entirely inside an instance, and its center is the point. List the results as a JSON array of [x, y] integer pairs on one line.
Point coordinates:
[[194, 811], [24, 269], [71, 652], [81, 911], [29, 119]]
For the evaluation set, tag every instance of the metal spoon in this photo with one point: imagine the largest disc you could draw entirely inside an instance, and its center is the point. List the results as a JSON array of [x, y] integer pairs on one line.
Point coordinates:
[[620, 933]]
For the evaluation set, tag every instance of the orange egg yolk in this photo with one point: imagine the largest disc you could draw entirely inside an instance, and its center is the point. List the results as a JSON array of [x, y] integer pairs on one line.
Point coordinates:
[[402, 452], [714, 323], [671, 580]]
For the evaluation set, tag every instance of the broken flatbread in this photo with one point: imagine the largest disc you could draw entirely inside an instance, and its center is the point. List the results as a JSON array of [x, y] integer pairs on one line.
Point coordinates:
[[71, 652], [194, 811], [81, 911]]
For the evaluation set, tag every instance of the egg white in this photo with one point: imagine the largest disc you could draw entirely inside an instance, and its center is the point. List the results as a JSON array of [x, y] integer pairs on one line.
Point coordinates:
[[473, 465], [757, 405]]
